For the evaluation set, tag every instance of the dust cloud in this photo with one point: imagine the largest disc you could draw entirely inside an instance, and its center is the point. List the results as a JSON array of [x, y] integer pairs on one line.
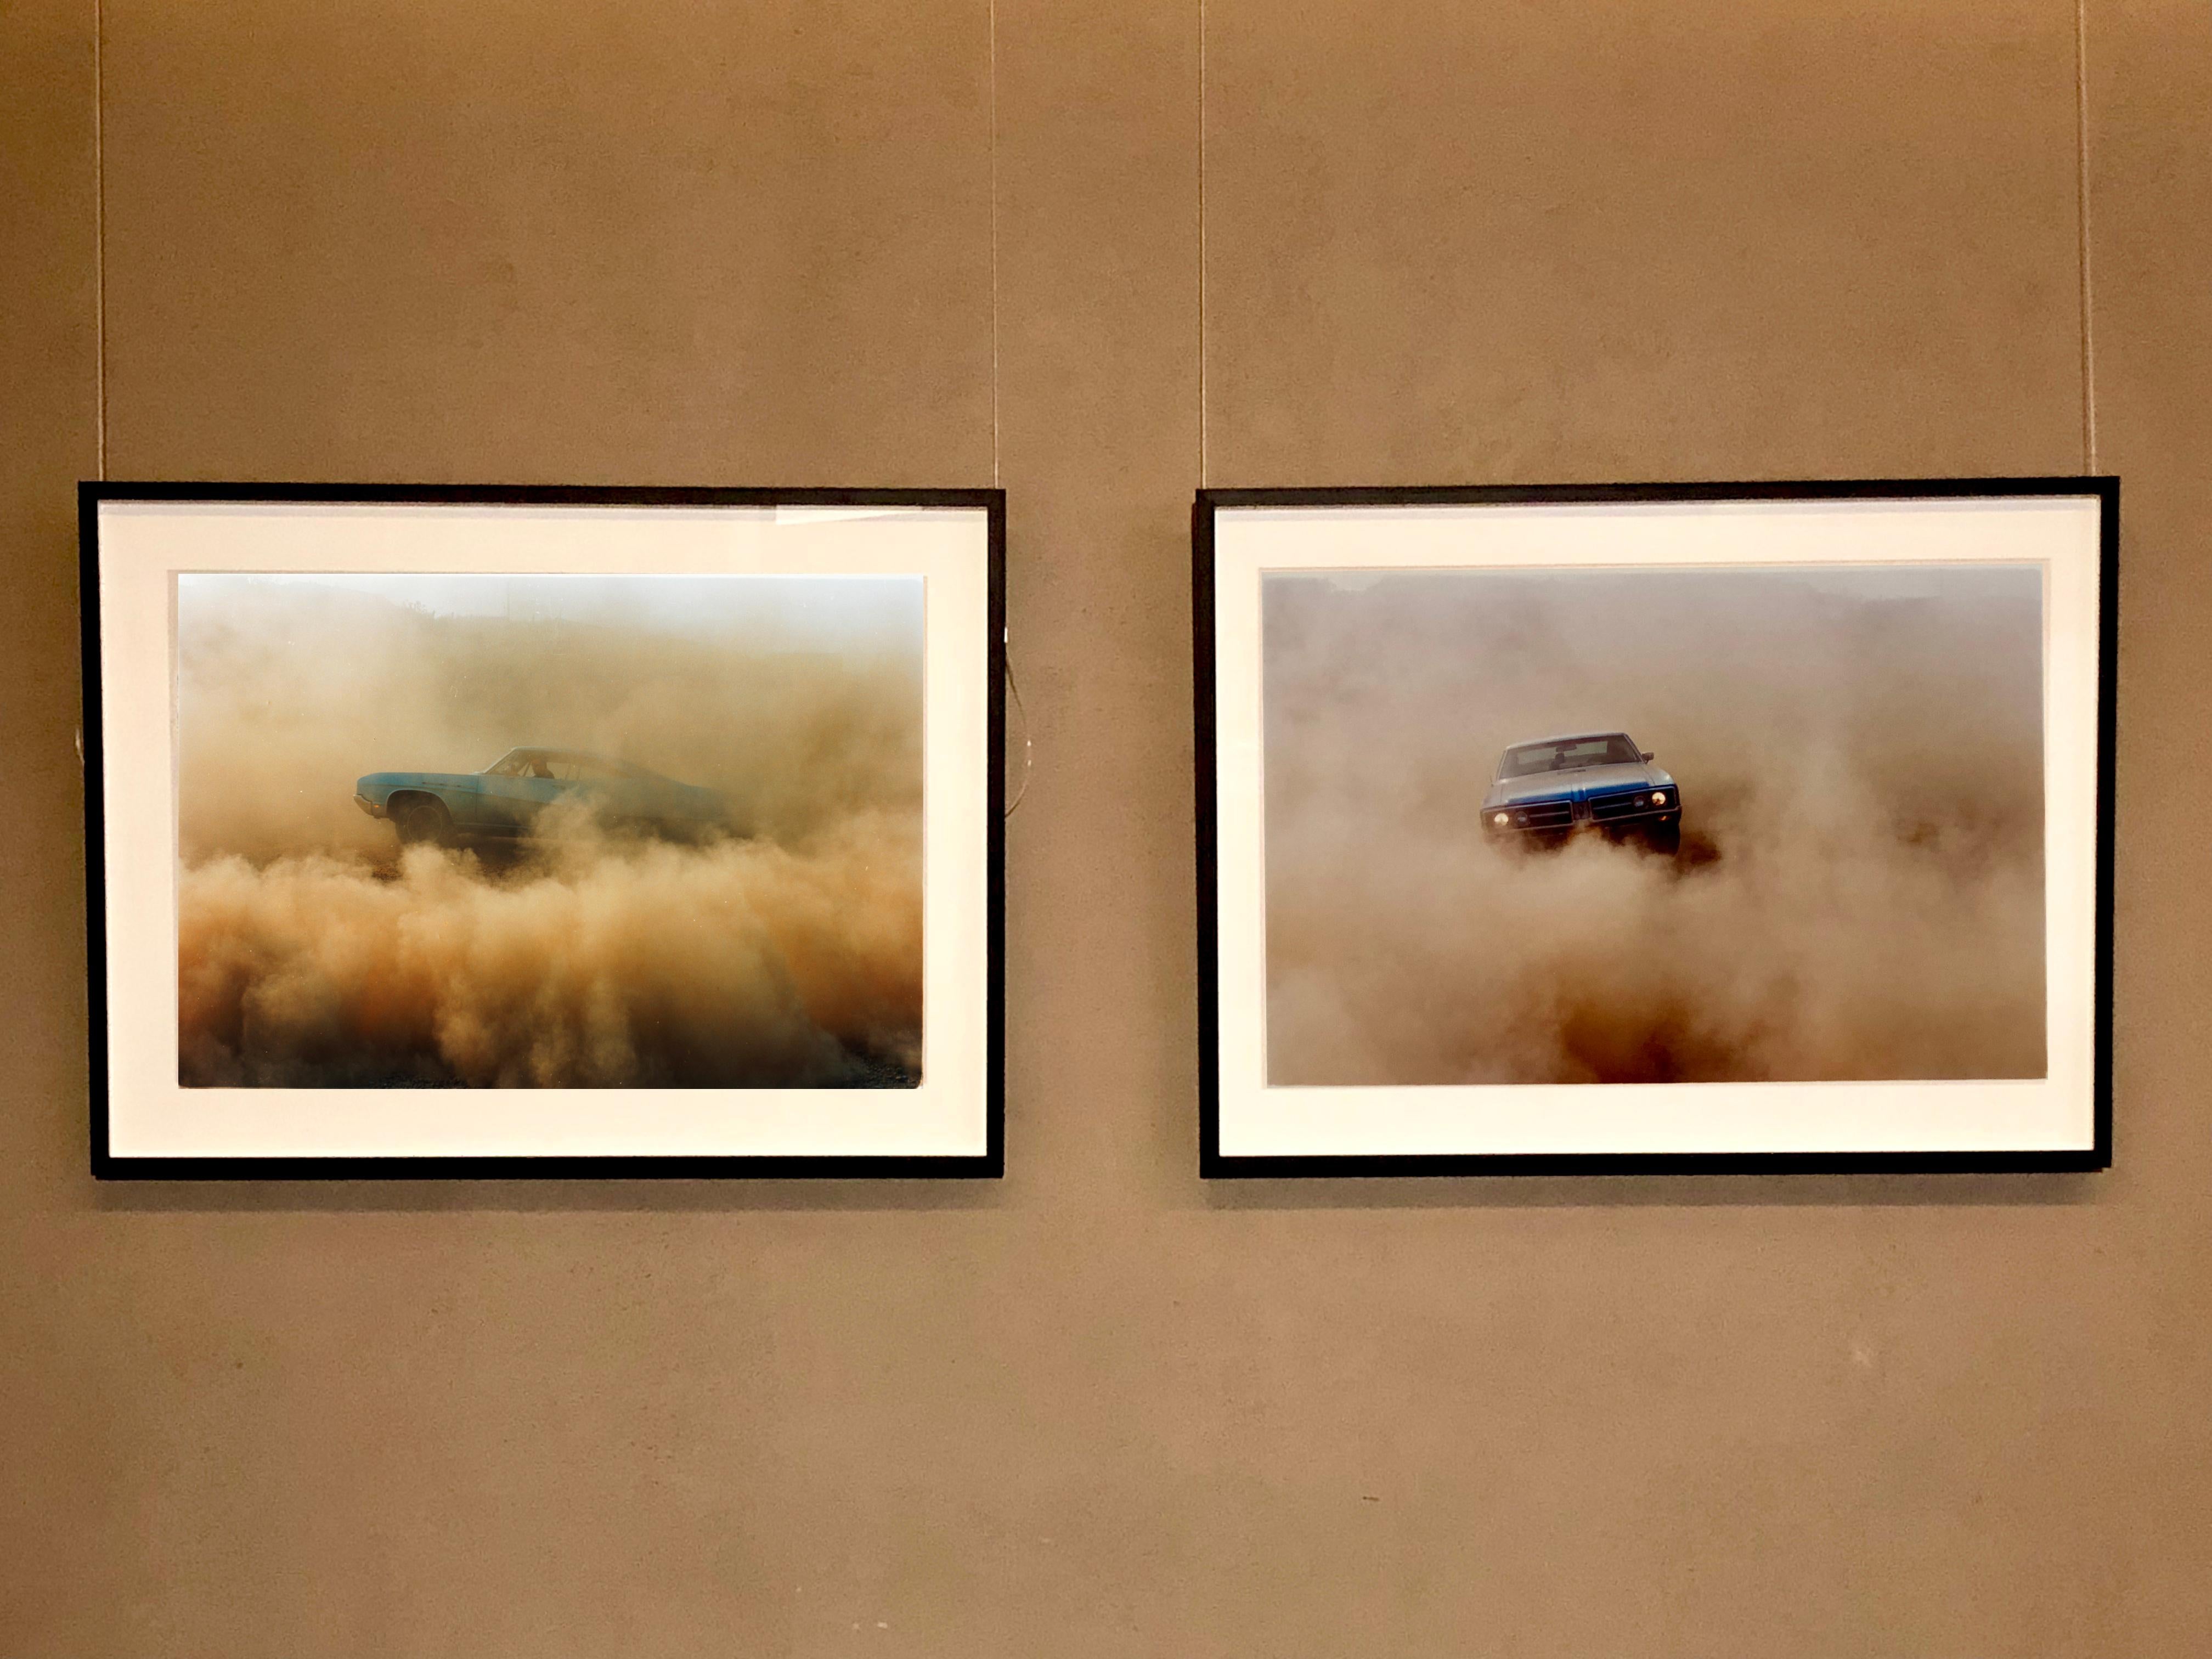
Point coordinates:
[[785, 951], [1860, 891]]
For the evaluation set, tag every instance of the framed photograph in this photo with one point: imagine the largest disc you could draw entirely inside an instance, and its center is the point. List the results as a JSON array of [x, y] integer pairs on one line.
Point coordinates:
[[1666, 828], [496, 832]]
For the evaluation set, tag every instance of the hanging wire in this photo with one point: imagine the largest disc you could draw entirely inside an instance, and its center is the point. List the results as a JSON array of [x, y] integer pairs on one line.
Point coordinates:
[[1202, 244], [2081, 220], [1029, 750], [993, 25], [99, 234]]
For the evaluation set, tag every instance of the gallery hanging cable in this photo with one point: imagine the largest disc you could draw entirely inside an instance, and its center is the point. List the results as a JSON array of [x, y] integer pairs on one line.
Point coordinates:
[[992, 37], [2082, 220], [1013, 685], [99, 250], [1202, 243]]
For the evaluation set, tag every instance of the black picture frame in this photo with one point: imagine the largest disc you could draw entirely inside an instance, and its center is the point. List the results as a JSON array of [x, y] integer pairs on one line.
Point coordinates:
[[107, 1164], [1215, 1164]]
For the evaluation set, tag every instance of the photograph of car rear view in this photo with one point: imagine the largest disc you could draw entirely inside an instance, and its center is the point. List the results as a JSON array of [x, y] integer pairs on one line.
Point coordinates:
[[550, 831], [1664, 825]]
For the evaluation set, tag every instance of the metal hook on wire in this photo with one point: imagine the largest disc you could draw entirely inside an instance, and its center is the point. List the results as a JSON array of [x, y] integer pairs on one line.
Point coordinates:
[[1029, 749]]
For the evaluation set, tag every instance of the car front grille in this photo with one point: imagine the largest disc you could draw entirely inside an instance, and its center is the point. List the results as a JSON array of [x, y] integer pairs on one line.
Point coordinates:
[[1626, 803], [1543, 815]]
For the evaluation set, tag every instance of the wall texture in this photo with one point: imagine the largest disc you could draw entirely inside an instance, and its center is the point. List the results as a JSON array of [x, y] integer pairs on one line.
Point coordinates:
[[1107, 248]]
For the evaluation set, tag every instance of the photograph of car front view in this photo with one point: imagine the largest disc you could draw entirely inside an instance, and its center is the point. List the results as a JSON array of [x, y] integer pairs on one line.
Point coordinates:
[[1477, 871], [1548, 789]]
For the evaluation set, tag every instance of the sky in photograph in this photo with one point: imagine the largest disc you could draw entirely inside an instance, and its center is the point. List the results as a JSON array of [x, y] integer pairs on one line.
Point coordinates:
[[829, 611]]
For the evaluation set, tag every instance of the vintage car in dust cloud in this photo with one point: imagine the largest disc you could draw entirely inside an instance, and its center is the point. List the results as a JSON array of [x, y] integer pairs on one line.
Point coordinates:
[[1548, 789], [509, 798]]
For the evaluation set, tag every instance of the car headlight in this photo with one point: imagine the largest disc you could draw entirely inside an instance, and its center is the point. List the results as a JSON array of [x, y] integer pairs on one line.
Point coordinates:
[[1659, 799], [1501, 820]]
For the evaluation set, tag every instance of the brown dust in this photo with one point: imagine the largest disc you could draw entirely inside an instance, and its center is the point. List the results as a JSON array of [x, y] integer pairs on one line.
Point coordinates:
[[312, 952], [1860, 893]]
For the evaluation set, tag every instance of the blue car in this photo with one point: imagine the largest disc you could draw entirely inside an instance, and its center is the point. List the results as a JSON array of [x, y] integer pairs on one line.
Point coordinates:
[[506, 798], [1547, 788]]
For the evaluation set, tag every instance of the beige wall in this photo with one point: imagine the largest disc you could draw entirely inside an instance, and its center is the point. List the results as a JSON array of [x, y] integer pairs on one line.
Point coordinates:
[[1101, 1408]]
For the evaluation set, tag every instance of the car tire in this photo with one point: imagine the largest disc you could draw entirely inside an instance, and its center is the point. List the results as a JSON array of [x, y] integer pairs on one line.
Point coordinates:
[[419, 818], [1665, 839]]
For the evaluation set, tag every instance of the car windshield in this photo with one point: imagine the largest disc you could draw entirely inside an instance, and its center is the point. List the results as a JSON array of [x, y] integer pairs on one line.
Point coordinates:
[[1566, 754]]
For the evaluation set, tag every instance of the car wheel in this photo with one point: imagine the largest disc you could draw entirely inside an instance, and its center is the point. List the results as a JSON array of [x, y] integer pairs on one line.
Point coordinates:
[[420, 818], [1665, 839]]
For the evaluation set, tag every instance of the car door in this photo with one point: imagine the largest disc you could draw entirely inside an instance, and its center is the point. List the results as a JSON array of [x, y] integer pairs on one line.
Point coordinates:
[[472, 802], [624, 797], [517, 797], [561, 780]]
